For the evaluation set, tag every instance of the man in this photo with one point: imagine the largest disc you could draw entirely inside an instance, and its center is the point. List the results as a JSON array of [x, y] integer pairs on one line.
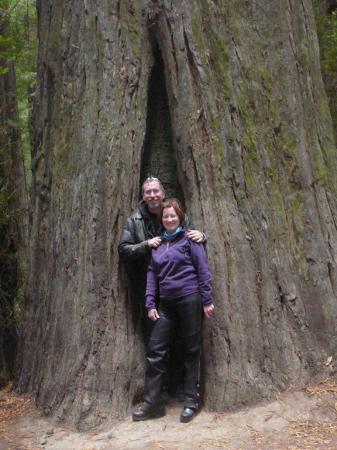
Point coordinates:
[[140, 235]]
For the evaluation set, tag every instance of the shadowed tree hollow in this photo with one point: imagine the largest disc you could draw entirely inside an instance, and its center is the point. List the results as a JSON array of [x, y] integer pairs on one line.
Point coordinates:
[[159, 157], [243, 114]]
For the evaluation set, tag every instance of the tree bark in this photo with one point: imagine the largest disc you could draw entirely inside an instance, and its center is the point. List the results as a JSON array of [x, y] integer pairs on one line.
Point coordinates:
[[252, 136]]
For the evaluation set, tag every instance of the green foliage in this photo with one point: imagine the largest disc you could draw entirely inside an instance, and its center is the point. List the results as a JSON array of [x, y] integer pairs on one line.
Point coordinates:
[[6, 48], [327, 35], [327, 31], [4, 204], [24, 29], [19, 46]]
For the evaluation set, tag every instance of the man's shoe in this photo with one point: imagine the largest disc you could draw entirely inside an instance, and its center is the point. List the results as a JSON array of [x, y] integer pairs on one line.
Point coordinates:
[[147, 411], [187, 414]]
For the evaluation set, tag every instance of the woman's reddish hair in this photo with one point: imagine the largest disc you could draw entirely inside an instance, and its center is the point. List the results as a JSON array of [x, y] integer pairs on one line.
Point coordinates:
[[176, 205]]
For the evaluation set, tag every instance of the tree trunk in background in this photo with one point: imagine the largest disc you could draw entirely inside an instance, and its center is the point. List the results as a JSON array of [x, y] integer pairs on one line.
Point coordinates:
[[327, 6], [252, 137], [13, 207], [326, 21]]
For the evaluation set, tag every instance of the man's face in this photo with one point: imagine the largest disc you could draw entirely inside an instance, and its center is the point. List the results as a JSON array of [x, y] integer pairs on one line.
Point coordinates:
[[153, 195]]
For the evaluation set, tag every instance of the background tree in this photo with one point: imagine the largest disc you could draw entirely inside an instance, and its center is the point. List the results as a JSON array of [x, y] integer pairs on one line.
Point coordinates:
[[326, 19], [251, 133], [13, 200]]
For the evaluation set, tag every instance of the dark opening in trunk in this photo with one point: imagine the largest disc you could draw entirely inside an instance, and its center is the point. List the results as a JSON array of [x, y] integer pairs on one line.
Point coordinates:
[[159, 157]]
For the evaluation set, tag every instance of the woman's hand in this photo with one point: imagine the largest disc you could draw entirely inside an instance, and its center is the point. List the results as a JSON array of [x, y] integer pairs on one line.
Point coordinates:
[[153, 314], [208, 310]]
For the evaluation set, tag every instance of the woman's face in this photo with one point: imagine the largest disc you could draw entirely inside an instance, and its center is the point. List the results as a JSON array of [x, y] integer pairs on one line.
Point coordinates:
[[170, 219]]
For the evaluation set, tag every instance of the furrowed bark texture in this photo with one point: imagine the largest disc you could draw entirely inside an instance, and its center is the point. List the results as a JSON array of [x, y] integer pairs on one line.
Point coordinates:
[[252, 138]]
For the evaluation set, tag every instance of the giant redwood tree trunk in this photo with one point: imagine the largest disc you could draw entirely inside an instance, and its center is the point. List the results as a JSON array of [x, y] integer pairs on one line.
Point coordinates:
[[250, 135]]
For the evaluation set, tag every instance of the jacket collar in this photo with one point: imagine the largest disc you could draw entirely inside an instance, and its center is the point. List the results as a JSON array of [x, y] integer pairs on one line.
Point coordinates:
[[145, 213]]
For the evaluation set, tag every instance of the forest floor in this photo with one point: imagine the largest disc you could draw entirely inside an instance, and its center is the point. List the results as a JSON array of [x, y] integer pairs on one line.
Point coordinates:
[[295, 420]]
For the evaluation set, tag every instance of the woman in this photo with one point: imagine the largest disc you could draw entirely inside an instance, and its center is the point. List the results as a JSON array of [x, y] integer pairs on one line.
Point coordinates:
[[179, 272]]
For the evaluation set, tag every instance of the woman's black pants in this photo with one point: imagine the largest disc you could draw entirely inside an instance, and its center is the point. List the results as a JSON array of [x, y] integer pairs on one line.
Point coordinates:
[[185, 315]]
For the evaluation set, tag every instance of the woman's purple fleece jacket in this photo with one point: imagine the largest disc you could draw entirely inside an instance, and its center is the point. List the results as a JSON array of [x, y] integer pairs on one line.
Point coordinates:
[[178, 268]]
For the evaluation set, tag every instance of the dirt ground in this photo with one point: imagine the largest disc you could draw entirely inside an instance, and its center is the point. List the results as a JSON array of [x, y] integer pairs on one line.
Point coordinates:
[[298, 420]]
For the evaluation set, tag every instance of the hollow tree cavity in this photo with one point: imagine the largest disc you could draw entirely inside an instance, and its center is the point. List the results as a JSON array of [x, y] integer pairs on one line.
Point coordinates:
[[159, 156]]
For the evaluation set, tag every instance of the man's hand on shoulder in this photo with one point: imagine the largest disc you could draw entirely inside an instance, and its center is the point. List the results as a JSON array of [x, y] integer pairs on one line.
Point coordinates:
[[154, 242], [195, 236]]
